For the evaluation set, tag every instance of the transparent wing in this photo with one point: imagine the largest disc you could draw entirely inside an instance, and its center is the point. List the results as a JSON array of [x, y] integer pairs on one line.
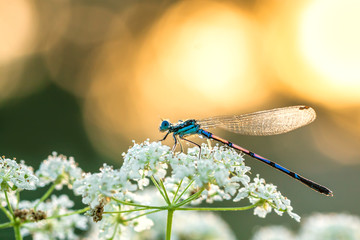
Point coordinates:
[[268, 122]]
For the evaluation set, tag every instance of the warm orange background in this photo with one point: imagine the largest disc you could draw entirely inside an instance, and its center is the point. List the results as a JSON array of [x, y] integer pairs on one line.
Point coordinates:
[[85, 78]]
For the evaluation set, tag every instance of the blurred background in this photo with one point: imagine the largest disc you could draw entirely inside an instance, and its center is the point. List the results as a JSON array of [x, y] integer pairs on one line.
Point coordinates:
[[85, 78]]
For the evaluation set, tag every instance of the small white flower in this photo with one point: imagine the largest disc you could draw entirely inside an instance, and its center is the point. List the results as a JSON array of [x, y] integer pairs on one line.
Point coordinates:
[[144, 160], [220, 173], [57, 168], [59, 228], [143, 223], [260, 191], [15, 175], [262, 210], [95, 187], [219, 169]]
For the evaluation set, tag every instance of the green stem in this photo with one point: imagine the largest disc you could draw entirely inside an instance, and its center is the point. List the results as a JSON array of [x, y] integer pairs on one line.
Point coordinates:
[[139, 205], [158, 187], [45, 196], [17, 231], [18, 198], [190, 183], [126, 211], [115, 231], [6, 225], [169, 224], [219, 209], [7, 213], [8, 203], [192, 197], [176, 192], [70, 213], [62, 215], [165, 192], [144, 214]]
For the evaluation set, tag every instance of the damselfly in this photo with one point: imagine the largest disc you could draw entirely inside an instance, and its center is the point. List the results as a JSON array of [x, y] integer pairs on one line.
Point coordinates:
[[269, 122]]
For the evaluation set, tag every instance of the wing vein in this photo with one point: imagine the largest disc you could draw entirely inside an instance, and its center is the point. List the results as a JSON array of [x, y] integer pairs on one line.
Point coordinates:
[[262, 123]]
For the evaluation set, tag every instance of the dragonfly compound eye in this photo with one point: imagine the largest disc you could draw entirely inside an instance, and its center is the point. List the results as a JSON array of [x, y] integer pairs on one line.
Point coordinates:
[[165, 125]]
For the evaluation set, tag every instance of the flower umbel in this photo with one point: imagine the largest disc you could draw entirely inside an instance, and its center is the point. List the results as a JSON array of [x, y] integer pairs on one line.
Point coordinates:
[[218, 174], [54, 228], [115, 198], [270, 196], [58, 169], [15, 175]]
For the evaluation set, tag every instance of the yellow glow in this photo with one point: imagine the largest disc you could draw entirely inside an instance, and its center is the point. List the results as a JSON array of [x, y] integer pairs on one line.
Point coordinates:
[[17, 25], [110, 115], [204, 53], [198, 60], [209, 51], [330, 40], [313, 46]]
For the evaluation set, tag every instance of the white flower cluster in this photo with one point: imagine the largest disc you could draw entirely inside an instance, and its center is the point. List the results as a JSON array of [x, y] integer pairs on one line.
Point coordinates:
[[114, 195], [97, 190], [219, 172], [273, 199], [54, 228], [145, 160], [59, 170], [96, 187], [318, 226], [37, 217], [15, 175]]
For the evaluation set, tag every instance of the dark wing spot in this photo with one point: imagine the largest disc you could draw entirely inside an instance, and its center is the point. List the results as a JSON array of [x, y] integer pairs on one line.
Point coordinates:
[[304, 107]]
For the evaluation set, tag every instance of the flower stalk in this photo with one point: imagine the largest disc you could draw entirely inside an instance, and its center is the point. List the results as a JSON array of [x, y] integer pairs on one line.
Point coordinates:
[[170, 214]]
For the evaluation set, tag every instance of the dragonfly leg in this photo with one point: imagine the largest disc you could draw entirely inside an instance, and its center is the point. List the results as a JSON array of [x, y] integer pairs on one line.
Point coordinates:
[[164, 137], [181, 147], [176, 141], [192, 143]]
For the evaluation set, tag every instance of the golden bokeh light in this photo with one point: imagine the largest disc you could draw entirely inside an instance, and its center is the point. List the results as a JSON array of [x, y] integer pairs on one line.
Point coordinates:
[[330, 41], [206, 55], [109, 112], [195, 61], [314, 49], [18, 26], [207, 52]]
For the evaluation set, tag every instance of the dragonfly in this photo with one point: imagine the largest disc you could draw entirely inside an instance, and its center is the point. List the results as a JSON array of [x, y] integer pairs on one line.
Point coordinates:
[[261, 123]]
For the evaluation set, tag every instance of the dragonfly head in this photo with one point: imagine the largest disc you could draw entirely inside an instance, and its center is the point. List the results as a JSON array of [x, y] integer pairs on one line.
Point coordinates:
[[165, 126]]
